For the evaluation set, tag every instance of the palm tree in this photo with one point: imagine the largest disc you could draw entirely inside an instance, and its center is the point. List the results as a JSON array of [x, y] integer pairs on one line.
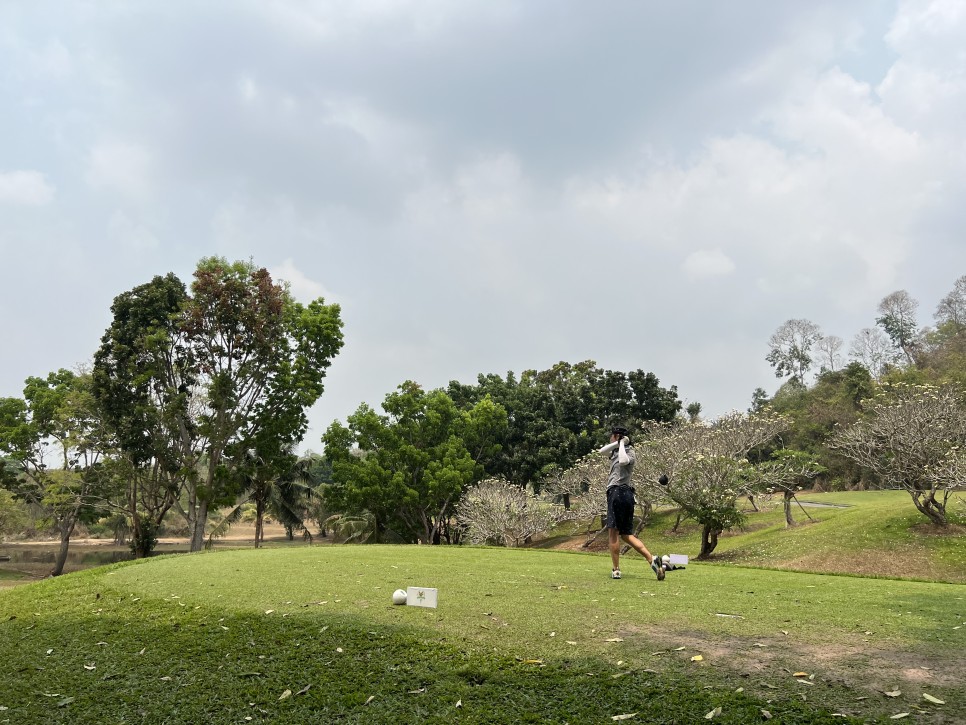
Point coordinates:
[[285, 495]]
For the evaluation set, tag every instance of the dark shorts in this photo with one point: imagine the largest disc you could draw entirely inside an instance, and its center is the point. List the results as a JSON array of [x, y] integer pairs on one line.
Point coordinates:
[[620, 509]]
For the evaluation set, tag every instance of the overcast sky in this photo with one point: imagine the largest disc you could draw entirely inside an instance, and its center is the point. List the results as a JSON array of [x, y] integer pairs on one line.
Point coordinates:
[[484, 185]]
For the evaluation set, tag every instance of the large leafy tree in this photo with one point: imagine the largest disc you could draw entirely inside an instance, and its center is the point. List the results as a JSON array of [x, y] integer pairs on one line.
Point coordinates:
[[143, 377], [557, 416], [408, 466], [207, 375], [54, 439]]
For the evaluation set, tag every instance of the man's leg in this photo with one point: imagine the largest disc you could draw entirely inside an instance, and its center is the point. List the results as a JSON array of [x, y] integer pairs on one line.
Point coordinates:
[[656, 565], [639, 546], [615, 549]]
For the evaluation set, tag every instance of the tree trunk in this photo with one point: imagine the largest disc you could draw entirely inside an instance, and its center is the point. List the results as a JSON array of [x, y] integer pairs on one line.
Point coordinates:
[[566, 501], [197, 517], [787, 501], [677, 522], [709, 540], [259, 520], [753, 504], [66, 529], [930, 507]]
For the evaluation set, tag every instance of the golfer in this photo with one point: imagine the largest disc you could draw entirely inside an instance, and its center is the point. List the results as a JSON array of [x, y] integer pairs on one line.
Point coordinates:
[[620, 502]]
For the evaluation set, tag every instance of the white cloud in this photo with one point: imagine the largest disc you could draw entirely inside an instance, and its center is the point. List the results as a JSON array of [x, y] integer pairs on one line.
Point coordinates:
[[301, 286], [26, 188], [707, 263]]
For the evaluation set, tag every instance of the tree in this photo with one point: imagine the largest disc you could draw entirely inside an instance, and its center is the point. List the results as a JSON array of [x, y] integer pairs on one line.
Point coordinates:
[[952, 308], [143, 379], [914, 438], [759, 399], [816, 413], [556, 415], [785, 472], [897, 317], [206, 376], [707, 467], [790, 348], [828, 349], [14, 516], [871, 348], [497, 512], [278, 485], [408, 467], [54, 440], [694, 412]]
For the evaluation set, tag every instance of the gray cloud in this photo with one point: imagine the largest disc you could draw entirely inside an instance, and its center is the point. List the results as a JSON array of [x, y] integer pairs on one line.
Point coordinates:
[[487, 186]]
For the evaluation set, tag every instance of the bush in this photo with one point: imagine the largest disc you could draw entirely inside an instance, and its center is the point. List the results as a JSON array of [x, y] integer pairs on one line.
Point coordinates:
[[14, 516]]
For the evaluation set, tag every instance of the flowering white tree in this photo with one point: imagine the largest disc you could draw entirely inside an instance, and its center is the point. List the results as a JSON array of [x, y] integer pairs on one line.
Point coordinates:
[[707, 467], [914, 438], [497, 512]]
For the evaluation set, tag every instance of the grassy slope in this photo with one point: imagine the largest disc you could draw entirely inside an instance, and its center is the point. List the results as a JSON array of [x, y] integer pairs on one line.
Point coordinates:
[[520, 635], [880, 533]]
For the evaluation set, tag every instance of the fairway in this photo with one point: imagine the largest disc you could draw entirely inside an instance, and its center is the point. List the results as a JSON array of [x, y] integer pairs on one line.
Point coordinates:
[[519, 635]]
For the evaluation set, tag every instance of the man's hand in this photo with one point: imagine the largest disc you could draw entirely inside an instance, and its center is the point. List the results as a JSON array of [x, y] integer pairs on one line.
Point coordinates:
[[626, 441]]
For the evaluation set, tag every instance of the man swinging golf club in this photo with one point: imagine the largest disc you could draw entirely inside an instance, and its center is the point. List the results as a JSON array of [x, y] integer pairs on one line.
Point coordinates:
[[620, 502]]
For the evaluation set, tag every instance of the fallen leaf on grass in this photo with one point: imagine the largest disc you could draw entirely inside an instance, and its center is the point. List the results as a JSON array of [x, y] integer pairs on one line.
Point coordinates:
[[628, 716], [417, 692], [371, 698], [893, 693], [304, 690], [932, 699], [713, 714], [532, 662], [571, 642], [697, 658], [459, 703], [899, 716], [766, 715], [800, 674], [287, 693], [617, 639], [678, 649], [269, 611], [759, 644], [91, 666], [65, 702]]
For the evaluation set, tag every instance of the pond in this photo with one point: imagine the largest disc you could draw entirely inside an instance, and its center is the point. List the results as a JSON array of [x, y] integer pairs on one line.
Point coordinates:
[[36, 559]]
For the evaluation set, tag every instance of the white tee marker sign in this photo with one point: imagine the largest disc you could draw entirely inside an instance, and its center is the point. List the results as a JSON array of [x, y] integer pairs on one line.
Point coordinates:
[[421, 597]]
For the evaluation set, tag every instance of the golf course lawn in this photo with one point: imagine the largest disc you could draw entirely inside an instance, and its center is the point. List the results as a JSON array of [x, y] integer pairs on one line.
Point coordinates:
[[520, 635]]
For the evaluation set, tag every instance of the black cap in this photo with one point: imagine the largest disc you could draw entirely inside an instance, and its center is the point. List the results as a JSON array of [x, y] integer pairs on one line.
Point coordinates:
[[618, 430]]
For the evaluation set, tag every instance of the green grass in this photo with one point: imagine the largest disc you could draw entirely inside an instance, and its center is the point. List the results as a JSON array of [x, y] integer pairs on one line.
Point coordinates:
[[880, 533], [519, 636]]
